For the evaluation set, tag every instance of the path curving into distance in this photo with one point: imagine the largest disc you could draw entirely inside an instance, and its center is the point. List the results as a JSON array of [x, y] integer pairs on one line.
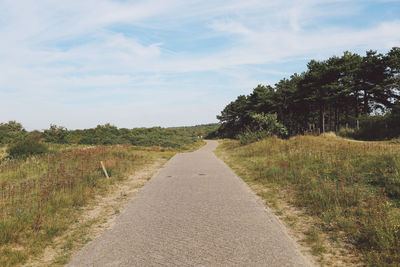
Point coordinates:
[[194, 212]]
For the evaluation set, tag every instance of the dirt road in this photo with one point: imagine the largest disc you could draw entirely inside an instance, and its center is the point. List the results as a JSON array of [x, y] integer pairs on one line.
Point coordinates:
[[195, 212]]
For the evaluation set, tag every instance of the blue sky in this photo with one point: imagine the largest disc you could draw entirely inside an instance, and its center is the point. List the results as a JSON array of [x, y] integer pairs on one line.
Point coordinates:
[[167, 62]]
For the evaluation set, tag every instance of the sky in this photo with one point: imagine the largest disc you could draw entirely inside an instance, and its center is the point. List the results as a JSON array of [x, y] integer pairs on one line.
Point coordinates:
[[165, 63]]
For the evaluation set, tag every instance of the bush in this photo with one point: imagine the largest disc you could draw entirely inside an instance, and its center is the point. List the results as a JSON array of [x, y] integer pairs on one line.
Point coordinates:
[[346, 132], [11, 132], [56, 134], [262, 126], [26, 148], [249, 136]]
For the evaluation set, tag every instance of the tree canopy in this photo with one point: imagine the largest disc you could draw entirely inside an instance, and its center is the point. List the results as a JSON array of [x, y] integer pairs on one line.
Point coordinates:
[[329, 95]]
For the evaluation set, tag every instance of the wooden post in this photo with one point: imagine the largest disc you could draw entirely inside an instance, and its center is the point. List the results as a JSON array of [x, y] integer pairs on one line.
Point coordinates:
[[104, 169]]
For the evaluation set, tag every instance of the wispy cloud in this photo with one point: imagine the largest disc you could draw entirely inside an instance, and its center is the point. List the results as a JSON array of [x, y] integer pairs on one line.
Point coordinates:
[[165, 62]]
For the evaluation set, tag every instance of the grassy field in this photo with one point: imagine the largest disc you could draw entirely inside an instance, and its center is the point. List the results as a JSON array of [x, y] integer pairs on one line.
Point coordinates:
[[42, 195], [351, 188]]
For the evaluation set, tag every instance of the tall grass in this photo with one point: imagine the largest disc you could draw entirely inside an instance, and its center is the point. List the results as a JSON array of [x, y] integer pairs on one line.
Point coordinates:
[[41, 196], [353, 187]]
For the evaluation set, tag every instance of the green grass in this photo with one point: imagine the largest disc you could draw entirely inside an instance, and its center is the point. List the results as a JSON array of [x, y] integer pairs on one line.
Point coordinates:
[[314, 240], [352, 187], [42, 195]]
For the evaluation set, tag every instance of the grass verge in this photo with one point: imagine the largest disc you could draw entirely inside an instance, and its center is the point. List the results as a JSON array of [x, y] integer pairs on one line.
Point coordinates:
[[351, 190], [42, 196]]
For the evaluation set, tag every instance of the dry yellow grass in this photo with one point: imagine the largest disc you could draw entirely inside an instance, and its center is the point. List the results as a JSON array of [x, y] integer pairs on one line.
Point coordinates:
[[41, 197], [351, 188]]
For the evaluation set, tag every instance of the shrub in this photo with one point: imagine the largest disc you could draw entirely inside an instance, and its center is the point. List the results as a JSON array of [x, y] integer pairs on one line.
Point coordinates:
[[262, 126], [56, 134], [11, 131], [346, 132], [249, 136], [379, 127], [26, 148]]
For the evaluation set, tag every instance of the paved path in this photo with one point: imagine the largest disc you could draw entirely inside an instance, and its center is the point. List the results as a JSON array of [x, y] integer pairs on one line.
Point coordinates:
[[195, 212]]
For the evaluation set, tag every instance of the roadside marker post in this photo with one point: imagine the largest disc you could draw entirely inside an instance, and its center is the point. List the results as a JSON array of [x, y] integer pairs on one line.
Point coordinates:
[[104, 169]]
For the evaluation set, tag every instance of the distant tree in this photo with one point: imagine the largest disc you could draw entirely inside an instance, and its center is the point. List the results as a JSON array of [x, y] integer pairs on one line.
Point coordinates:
[[371, 77], [350, 91], [235, 116], [56, 134], [392, 82], [11, 131]]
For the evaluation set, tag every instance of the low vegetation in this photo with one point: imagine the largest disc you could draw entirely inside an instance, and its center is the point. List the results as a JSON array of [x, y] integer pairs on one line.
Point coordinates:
[[378, 127], [261, 126], [41, 195], [47, 176], [26, 148], [351, 188], [177, 137]]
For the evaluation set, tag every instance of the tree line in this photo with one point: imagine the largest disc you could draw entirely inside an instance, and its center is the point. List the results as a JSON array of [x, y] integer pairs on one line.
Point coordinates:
[[346, 92], [107, 134]]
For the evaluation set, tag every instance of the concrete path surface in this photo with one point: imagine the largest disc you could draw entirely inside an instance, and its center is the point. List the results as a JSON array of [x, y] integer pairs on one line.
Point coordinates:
[[194, 212]]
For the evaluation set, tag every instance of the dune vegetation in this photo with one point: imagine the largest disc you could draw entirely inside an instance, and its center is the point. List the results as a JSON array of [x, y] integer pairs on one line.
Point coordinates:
[[47, 177], [351, 188], [42, 195], [107, 134]]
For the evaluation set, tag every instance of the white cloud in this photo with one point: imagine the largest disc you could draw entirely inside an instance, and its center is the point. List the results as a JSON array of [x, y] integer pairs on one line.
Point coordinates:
[[51, 51]]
